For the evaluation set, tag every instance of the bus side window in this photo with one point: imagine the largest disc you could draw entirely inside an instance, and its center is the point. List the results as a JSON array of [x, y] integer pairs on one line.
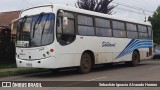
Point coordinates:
[[150, 32], [66, 35], [143, 33], [119, 29], [59, 25]]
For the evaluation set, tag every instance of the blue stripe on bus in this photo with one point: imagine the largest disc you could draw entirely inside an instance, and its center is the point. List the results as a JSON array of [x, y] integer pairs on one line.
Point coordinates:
[[135, 44]]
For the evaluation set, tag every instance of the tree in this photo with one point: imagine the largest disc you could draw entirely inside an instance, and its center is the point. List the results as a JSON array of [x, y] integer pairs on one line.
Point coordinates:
[[101, 6], [155, 21]]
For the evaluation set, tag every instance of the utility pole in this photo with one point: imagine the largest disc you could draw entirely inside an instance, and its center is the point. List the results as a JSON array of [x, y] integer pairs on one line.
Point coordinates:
[[145, 18]]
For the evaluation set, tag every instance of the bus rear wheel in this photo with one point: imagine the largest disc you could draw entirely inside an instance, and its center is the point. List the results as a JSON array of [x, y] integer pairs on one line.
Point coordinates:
[[135, 59], [85, 64]]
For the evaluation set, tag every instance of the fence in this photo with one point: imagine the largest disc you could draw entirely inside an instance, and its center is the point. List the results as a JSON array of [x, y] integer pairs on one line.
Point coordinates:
[[7, 46]]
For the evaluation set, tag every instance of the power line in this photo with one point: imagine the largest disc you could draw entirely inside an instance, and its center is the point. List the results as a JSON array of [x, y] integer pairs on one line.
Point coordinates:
[[49, 1], [28, 2], [136, 13], [133, 7], [132, 11], [118, 3]]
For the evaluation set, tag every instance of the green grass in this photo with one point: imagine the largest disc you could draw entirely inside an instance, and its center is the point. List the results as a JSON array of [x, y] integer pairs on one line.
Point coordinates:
[[21, 72], [5, 66]]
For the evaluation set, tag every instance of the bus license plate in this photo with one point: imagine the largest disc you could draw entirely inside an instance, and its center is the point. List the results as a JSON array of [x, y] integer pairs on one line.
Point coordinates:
[[29, 64]]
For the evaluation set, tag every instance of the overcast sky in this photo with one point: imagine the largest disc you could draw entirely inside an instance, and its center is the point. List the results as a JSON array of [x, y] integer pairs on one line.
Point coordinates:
[[148, 5]]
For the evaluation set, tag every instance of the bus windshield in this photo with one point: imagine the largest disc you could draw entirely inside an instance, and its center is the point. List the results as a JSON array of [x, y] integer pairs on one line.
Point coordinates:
[[34, 31]]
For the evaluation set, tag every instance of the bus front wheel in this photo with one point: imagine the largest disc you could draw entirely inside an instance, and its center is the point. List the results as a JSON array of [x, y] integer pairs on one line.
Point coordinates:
[[85, 64]]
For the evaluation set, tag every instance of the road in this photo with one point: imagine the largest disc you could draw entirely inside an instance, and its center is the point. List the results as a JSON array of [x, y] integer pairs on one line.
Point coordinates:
[[146, 71]]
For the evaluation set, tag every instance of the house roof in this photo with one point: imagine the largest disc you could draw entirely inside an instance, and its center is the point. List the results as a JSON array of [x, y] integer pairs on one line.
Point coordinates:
[[7, 17]]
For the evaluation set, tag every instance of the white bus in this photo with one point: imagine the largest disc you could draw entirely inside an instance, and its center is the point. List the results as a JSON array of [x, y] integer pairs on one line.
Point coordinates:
[[57, 36]]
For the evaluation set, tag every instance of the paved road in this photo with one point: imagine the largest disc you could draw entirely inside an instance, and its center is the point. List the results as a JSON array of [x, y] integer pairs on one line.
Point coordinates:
[[146, 71]]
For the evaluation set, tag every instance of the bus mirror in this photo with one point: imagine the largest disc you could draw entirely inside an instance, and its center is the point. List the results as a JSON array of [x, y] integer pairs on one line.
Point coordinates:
[[62, 13], [65, 21]]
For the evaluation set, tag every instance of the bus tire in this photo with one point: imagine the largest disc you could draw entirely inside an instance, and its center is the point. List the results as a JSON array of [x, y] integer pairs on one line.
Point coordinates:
[[135, 59], [85, 64]]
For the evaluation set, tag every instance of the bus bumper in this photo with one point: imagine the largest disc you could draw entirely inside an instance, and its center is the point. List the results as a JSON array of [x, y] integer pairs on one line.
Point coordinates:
[[42, 63]]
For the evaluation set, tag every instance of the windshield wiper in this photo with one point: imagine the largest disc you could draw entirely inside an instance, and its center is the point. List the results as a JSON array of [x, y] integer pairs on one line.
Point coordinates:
[[22, 26], [44, 26], [45, 23], [37, 22]]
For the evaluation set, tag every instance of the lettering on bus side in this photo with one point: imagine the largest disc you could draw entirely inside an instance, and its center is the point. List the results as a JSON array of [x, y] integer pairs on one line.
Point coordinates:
[[108, 44]]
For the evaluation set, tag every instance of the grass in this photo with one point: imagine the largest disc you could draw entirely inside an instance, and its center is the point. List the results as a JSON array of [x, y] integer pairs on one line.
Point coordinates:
[[5, 66], [21, 72]]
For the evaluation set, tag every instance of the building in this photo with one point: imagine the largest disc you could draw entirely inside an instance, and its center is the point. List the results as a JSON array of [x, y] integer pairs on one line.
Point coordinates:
[[7, 37], [6, 18]]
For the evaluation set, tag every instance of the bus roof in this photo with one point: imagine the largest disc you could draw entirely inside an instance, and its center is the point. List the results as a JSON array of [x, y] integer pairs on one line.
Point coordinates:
[[82, 11], [78, 10]]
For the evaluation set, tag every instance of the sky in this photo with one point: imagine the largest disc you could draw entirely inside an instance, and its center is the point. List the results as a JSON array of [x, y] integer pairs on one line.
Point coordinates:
[[147, 7]]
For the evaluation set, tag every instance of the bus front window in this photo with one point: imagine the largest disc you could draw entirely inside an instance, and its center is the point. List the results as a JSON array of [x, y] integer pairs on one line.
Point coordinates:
[[35, 30]]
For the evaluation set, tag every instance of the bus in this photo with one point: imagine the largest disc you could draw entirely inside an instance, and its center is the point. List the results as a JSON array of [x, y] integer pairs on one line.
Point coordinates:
[[59, 36]]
